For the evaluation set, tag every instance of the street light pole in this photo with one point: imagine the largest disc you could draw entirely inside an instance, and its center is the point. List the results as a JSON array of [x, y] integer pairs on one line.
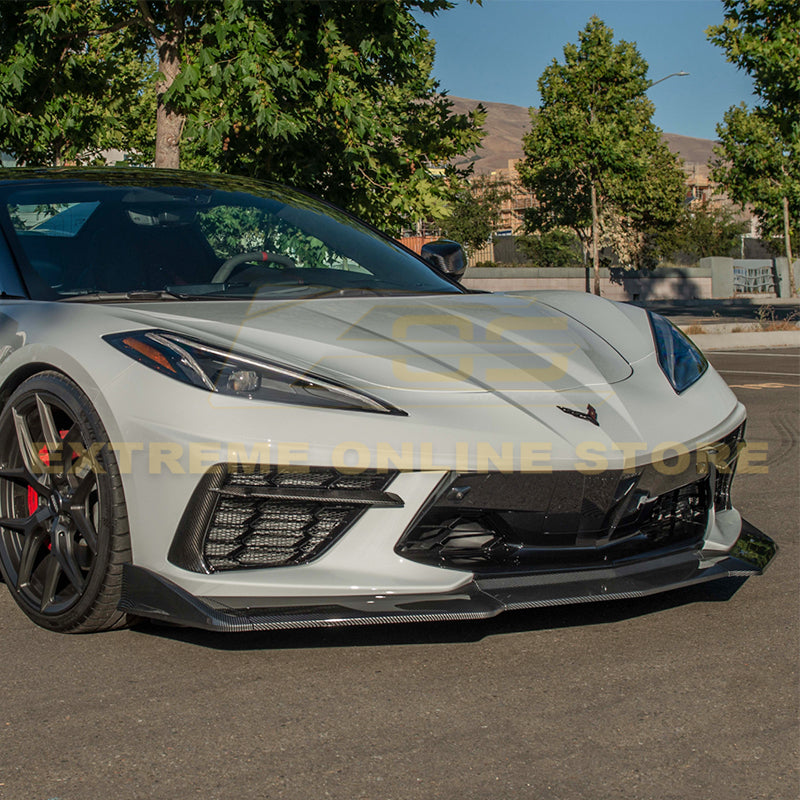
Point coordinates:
[[680, 74]]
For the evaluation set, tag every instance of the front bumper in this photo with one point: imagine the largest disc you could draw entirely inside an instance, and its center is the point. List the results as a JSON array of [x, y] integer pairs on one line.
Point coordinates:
[[147, 594]]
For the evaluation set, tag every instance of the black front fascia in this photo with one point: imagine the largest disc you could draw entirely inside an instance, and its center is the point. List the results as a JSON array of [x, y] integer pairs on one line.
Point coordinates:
[[149, 595], [497, 523]]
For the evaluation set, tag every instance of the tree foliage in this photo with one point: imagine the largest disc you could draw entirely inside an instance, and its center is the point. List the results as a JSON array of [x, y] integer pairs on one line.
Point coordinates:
[[704, 229], [593, 150], [475, 212], [68, 92], [757, 166], [759, 151], [762, 37], [555, 248], [336, 98]]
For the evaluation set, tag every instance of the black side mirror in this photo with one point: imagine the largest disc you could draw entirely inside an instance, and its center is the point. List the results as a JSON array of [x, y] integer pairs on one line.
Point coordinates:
[[446, 256]]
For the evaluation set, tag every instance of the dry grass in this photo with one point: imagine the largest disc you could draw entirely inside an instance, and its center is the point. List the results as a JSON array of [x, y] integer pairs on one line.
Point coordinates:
[[768, 322], [692, 330]]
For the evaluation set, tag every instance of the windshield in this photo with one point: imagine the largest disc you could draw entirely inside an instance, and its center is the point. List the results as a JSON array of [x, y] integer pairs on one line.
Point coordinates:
[[127, 233]]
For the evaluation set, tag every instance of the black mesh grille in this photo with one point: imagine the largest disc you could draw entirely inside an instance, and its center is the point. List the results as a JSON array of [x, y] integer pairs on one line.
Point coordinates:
[[494, 539], [675, 515], [497, 522], [283, 517], [313, 478], [270, 533]]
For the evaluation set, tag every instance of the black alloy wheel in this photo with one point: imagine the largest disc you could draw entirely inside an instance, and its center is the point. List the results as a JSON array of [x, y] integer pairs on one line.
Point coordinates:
[[63, 524]]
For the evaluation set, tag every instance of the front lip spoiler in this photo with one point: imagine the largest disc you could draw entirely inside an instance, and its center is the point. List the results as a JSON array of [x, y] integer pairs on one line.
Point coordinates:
[[146, 594]]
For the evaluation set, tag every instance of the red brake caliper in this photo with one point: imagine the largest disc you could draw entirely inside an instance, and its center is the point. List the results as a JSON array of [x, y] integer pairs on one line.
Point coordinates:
[[33, 495]]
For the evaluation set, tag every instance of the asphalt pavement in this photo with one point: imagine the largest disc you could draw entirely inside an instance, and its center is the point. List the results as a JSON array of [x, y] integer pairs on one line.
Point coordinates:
[[688, 694]]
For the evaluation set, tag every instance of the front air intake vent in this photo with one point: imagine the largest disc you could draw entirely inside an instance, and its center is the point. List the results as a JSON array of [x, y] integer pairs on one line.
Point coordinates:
[[265, 532], [248, 519], [727, 452]]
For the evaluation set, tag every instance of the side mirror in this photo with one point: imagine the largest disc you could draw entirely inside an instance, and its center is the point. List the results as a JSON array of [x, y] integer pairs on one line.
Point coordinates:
[[448, 257]]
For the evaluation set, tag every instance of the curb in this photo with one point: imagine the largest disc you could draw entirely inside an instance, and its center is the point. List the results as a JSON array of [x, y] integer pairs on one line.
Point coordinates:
[[718, 328], [746, 340]]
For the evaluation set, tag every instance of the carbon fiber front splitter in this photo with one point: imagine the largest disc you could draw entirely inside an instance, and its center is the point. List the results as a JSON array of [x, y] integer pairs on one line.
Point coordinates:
[[146, 594]]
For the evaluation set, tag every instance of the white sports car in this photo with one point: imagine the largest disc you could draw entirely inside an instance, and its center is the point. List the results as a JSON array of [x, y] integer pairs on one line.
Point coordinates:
[[230, 405]]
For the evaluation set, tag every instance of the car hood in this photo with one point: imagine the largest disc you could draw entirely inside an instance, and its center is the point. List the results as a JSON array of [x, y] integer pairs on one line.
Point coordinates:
[[464, 343]]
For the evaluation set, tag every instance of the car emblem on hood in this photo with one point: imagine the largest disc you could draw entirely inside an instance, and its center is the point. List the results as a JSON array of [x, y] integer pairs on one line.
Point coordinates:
[[590, 414]]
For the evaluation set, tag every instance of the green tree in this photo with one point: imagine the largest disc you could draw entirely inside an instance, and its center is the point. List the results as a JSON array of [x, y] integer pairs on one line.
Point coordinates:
[[555, 248], [759, 152], [761, 37], [704, 229], [756, 165], [336, 98], [475, 212], [70, 85], [593, 148]]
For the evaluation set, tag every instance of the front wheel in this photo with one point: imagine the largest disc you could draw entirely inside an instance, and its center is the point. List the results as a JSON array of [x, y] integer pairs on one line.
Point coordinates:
[[63, 524]]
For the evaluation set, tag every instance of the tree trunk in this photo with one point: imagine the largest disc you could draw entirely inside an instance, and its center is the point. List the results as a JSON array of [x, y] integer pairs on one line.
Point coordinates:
[[169, 123], [595, 247], [788, 238]]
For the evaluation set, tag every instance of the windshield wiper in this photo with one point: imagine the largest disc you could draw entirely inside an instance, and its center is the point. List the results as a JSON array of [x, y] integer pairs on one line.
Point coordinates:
[[143, 295], [276, 291], [283, 291], [346, 291]]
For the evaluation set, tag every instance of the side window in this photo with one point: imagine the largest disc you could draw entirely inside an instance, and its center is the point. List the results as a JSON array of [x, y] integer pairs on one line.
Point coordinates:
[[52, 219], [48, 234]]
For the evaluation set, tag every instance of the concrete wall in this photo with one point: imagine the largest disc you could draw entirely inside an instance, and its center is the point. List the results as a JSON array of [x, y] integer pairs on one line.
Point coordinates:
[[782, 274], [661, 284], [721, 275], [714, 278]]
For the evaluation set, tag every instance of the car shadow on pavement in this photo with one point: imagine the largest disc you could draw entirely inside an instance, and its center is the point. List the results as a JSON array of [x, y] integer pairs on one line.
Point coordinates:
[[386, 635]]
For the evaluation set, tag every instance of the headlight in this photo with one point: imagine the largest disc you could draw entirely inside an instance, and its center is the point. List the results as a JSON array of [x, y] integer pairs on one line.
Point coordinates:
[[216, 370], [678, 356]]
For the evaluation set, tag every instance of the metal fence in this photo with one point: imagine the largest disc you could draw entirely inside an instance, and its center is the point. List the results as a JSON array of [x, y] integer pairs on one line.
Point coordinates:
[[482, 254], [754, 279]]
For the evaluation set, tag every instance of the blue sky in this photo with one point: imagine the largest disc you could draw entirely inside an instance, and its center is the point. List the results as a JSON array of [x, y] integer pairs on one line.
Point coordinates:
[[497, 52]]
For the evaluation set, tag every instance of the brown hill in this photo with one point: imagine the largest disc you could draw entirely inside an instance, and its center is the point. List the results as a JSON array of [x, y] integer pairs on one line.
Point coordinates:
[[506, 124], [691, 149]]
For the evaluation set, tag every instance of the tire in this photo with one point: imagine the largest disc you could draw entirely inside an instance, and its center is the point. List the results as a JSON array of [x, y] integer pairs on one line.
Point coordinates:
[[63, 523]]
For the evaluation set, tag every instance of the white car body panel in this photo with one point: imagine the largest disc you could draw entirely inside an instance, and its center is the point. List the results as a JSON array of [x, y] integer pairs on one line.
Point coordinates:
[[474, 385], [440, 422]]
